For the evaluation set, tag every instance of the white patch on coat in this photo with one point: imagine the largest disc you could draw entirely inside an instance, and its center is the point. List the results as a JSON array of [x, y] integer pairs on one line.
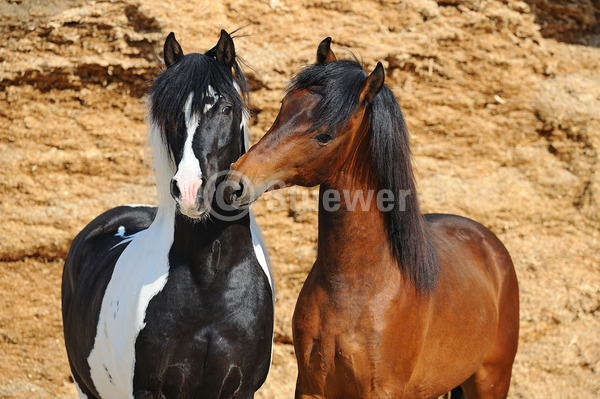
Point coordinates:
[[244, 126], [260, 250], [245, 118], [126, 238], [139, 274], [163, 165]]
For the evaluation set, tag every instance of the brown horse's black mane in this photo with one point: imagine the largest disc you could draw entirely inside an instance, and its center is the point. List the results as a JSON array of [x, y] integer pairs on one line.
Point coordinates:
[[339, 84]]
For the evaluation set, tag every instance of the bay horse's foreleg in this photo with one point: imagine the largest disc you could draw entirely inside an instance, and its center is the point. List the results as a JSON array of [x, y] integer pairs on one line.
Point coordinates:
[[489, 382], [303, 393], [492, 379], [309, 387]]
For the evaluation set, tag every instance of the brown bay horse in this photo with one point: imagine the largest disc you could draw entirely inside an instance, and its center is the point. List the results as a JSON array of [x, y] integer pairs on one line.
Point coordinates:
[[398, 304]]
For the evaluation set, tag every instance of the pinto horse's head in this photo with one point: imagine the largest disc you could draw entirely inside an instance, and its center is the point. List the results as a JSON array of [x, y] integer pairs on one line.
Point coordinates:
[[322, 118], [198, 117]]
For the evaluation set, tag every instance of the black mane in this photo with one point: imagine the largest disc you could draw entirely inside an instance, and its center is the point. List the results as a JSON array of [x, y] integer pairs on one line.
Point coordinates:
[[195, 72], [339, 84]]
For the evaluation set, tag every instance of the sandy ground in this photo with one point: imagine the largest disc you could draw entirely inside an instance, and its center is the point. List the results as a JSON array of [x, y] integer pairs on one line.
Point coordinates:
[[502, 99]]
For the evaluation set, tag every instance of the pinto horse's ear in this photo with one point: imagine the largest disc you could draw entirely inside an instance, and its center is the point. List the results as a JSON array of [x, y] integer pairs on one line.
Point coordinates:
[[225, 50], [324, 53], [172, 51], [372, 84]]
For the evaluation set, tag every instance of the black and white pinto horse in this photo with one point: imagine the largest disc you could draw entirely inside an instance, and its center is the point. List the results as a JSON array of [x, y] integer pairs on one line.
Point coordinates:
[[175, 301]]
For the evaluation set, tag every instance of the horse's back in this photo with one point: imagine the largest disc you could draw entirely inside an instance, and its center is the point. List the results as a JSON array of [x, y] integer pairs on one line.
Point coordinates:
[[110, 229], [470, 240], [471, 257]]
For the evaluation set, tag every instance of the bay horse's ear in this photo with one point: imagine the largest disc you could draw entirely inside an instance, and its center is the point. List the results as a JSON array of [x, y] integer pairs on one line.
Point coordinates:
[[372, 84], [324, 53], [172, 51], [225, 50]]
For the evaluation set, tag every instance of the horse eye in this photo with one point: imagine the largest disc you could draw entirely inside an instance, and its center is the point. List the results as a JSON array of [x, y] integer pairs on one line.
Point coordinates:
[[324, 138], [227, 109]]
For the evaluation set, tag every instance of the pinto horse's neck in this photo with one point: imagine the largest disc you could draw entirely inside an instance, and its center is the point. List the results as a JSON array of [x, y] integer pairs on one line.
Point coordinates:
[[188, 233]]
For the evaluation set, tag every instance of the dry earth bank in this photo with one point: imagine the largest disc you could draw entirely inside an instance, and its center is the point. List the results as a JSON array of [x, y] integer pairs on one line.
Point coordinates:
[[502, 98]]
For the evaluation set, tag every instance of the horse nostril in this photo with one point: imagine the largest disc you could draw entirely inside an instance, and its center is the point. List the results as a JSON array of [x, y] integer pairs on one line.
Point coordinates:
[[239, 192], [232, 191], [175, 193]]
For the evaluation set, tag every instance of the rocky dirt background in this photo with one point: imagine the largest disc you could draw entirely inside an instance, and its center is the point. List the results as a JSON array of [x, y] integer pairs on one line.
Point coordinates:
[[502, 98]]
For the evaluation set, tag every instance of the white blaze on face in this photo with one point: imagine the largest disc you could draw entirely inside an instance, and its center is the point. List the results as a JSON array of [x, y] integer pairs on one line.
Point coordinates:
[[189, 176]]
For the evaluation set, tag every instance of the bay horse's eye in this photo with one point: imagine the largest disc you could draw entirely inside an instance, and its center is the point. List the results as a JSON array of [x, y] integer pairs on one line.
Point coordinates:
[[324, 138], [227, 109]]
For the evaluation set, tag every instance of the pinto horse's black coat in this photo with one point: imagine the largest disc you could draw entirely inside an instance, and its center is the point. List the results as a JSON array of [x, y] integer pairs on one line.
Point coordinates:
[[227, 294], [193, 317]]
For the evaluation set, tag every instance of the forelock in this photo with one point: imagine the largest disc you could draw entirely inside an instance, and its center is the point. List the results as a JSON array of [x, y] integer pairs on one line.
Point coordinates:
[[197, 73], [337, 83]]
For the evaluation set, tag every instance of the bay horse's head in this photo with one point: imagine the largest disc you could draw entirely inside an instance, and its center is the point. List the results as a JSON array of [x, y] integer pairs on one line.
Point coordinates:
[[197, 116], [322, 119], [343, 128]]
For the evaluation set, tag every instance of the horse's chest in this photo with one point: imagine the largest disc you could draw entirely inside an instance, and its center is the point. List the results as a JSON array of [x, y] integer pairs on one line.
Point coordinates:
[[348, 340], [183, 315], [196, 334]]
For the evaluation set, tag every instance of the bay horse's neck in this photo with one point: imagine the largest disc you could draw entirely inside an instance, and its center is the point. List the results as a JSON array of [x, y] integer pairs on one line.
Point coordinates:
[[352, 236]]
